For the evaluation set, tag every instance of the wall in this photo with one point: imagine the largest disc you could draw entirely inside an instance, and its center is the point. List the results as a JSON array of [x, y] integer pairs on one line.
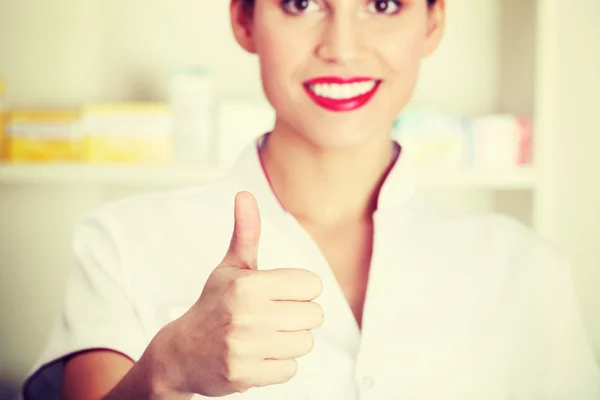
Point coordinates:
[[569, 90], [65, 52]]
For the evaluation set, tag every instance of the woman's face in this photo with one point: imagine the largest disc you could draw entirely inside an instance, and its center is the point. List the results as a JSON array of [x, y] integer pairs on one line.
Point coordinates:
[[338, 72]]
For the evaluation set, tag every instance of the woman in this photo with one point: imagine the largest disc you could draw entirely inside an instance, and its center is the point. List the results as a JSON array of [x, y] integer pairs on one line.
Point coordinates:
[[347, 284]]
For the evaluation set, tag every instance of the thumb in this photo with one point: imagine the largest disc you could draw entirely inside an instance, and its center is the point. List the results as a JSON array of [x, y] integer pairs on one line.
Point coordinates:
[[243, 249]]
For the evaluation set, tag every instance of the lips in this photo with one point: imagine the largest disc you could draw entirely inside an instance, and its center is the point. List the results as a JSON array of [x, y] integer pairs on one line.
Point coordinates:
[[341, 94]]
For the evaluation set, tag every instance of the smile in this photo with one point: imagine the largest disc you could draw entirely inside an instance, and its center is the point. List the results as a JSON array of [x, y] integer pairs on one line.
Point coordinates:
[[341, 94]]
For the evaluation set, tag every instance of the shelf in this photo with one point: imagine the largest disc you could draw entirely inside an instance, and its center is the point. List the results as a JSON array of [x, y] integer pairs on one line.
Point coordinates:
[[517, 178], [105, 174], [78, 174]]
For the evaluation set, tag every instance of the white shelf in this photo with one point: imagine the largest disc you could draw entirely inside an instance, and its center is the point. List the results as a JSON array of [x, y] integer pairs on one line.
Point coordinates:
[[511, 179], [105, 174], [516, 178]]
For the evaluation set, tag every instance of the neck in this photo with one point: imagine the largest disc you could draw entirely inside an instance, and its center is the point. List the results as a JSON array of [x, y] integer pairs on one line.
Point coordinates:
[[327, 187]]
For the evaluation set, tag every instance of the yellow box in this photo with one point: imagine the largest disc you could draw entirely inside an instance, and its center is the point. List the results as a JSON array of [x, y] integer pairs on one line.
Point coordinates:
[[127, 133], [3, 120], [3, 137], [100, 149], [43, 136]]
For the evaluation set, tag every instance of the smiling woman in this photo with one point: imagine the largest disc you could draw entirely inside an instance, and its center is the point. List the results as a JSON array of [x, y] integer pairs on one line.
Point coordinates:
[[169, 296], [357, 61]]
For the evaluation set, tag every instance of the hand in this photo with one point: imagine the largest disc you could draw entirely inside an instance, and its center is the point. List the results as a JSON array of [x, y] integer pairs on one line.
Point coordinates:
[[248, 326]]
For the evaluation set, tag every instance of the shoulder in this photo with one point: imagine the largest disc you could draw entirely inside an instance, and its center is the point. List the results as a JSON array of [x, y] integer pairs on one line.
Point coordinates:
[[487, 236], [480, 225], [166, 210], [151, 207], [161, 230]]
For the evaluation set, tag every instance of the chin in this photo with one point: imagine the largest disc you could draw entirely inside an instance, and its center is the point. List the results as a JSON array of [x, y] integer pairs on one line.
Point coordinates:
[[326, 130], [336, 136]]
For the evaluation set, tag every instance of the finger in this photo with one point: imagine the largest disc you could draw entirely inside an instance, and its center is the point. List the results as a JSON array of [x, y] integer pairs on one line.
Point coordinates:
[[287, 284], [291, 316], [243, 248], [287, 345], [272, 372]]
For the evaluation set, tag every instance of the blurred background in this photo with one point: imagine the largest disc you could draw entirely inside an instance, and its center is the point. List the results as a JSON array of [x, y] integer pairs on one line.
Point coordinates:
[[101, 99]]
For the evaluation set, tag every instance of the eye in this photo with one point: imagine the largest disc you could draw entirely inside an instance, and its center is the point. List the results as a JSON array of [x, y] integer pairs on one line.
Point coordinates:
[[388, 7], [297, 7]]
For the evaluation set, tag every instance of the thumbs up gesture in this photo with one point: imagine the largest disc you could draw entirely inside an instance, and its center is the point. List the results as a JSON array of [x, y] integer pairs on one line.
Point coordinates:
[[248, 326]]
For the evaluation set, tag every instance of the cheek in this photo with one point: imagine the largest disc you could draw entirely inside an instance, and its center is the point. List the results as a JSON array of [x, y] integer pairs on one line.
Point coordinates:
[[402, 60], [281, 59], [401, 53], [274, 68], [269, 48]]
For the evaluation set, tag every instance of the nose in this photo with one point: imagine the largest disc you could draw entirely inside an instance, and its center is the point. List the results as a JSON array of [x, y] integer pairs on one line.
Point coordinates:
[[340, 39]]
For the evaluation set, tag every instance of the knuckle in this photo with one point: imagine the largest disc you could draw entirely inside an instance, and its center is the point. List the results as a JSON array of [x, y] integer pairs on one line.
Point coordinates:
[[240, 386], [239, 288], [230, 348], [235, 374], [236, 378], [242, 286], [235, 349], [227, 368], [239, 322]]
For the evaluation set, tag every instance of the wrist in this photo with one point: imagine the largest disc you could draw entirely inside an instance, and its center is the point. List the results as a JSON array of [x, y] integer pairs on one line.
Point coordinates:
[[154, 365]]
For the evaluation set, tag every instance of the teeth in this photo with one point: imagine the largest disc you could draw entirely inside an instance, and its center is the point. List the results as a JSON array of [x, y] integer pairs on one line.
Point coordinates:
[[337, 91], [342, 91], [317, 89], [347, 91]]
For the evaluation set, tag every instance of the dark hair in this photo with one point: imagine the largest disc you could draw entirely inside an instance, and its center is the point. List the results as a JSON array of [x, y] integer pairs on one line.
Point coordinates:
[[250, 3]]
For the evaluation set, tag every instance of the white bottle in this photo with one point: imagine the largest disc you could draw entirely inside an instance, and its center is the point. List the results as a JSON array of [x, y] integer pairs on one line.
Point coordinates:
[[191, 99]]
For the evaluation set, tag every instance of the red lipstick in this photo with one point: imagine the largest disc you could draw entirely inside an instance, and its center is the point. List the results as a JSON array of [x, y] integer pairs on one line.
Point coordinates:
[[341, 94]]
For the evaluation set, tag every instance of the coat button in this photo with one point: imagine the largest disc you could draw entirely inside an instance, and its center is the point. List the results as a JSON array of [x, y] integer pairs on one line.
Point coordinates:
[[368, 382]]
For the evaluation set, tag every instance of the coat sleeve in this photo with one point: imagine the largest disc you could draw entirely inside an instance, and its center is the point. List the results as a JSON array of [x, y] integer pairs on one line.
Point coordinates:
[[98, 311]]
